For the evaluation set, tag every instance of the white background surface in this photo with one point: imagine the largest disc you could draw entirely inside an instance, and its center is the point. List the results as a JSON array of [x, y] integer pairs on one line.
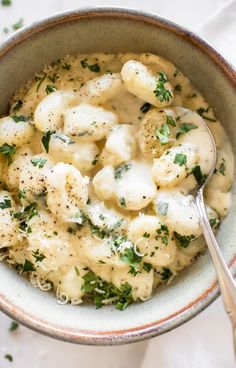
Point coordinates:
[[204, 342]]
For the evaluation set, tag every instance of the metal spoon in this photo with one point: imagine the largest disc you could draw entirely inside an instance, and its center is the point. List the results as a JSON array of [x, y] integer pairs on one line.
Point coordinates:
[[225, 279]]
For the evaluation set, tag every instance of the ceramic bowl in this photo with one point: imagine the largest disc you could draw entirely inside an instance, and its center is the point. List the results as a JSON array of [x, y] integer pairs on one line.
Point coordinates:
[[119, 30]]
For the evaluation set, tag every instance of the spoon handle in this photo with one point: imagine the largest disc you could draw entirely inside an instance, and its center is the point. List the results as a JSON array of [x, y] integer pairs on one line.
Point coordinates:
[[225, 279]]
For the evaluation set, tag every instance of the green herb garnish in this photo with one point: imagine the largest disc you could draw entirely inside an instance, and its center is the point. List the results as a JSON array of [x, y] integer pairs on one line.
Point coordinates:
[[5, 204], [93, 67], [100, 291], [13, 326], [161, 92], [166, 273], [163, 134], [17, 106], [46, 139], [18, 24], [202, 112], [197, 173], [132, 259], [185, 128], [180, 159], [8, 151], [6, 2], [184, 240], [170, 121], [122, 202], [120, 170], [28, 266], [39, 257], [66, 66], [50, 88], [18, 118], [40, 162], [8, 357], [147, 267], [222, 167]]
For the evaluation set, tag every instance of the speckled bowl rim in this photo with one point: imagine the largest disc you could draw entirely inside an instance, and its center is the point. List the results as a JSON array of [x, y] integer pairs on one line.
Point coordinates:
[[205, 299]]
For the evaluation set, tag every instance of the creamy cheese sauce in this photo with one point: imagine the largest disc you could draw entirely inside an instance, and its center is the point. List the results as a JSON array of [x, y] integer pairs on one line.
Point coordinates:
[[98, 156]]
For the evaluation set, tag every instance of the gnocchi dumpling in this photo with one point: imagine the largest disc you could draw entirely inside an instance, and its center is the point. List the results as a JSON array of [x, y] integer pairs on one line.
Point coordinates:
[[50, 244], [33, 174], [120, 145], [121, 185], [12, 176], [174, 165], [48, 114], [18, 132], [81, 155], [152, 239], [71, 283], [67, 192], [98, 90], [178, 212], [155, 133], [9, 230], [89, 123], [140, 81]]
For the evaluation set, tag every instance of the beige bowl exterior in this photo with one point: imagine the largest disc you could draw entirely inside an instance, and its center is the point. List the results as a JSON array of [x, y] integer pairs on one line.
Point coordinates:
[[119, 30]]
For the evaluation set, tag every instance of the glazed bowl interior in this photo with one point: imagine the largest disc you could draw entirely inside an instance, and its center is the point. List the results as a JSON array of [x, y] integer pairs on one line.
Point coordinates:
[[117, 30]]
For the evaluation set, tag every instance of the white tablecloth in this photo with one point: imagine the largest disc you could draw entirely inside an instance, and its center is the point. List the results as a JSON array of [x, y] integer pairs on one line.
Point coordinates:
[[204, 342]]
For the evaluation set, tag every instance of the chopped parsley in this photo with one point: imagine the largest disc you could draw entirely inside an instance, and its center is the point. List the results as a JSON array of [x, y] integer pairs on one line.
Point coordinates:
[[18, 118], [66, 66], [19, 24], [120, 170], [92, 67], [180, 159], [145, 107], [39, 257], [147, 267], [197, 173], [163, 134], [202, 112], [161, 92], [13, 326], [100, 291], [46, 139], [162, 208], [166, 273], [8, 151], [17, 106], [8, 357], [50, 88], [6, 2], [222, 167], [25, 215], [40, 80], [146, 235], [132, 259], [22, 194], [77, 271], [185, 128], [184, 240], [40, 162], [122, 202], [95, 160], [162, 233], [28, 266], [170, 120], [5, 204]]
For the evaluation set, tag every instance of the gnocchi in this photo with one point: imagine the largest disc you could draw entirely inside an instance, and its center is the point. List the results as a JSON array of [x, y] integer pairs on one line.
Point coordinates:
[[98, 159]]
